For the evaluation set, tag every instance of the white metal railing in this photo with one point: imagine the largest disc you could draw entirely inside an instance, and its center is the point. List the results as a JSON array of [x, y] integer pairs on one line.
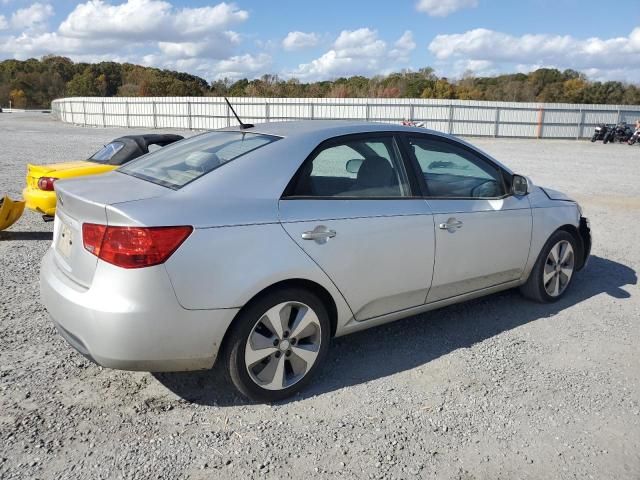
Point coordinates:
[[459, 117]]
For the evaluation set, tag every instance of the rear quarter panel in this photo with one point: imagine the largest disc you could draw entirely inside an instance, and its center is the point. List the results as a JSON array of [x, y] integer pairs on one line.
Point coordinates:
[[225, 267]]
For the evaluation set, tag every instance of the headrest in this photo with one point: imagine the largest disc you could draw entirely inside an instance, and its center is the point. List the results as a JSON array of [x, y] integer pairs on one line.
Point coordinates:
[[375, 172]]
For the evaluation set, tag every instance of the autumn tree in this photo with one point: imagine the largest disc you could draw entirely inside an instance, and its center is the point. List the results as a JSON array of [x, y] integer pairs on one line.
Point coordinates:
[[18, 99]]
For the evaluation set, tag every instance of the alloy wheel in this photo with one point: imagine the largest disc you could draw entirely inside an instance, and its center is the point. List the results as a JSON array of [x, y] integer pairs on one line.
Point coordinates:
[[283, 345], [558, 268]]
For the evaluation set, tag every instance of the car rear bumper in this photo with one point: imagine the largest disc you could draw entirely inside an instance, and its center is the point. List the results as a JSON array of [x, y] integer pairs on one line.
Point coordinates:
[[40, 200], [131, 319]]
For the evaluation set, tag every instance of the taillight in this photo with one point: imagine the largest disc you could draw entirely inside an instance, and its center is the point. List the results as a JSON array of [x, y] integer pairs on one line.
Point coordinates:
[[133, 247], [46, 183], [92, 236]]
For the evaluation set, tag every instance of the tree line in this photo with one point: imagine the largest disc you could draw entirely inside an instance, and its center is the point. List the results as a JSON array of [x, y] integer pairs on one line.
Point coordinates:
[[34, 83]]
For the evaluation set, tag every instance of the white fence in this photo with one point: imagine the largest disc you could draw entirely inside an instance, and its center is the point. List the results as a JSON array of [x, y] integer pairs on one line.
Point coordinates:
[[459, 117]]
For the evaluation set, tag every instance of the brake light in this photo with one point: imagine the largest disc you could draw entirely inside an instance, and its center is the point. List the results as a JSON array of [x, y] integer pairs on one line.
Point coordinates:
[[92, 236], [46, 183], [133, 247]]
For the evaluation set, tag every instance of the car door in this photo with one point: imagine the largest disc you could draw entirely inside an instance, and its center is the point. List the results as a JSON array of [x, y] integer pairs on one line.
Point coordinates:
[[354, 210], [482, 232]]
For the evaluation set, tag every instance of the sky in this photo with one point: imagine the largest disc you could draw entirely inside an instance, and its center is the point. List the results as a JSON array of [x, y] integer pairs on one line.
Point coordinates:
[[327, 39]]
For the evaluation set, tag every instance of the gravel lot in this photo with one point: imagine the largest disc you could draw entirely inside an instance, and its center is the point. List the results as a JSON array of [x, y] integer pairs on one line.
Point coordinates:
[[494, 388]]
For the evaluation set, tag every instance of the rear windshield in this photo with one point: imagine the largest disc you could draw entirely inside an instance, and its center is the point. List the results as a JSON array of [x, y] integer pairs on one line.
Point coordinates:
[[176, 165], [107, 152]]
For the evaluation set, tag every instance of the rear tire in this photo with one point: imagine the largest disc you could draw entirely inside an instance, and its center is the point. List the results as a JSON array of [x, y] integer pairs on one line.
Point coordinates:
[[554, 269], [277, 344]]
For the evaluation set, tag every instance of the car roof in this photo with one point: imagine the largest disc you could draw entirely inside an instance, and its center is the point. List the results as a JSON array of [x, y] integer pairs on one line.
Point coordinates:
[[329, 127], [316, 131]]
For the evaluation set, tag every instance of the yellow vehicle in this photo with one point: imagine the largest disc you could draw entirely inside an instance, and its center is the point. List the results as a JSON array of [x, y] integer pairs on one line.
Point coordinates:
[[39, 194], [10, 212]]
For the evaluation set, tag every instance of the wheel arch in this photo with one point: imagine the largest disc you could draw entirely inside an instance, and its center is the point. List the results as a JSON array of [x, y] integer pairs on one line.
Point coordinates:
[[321, 292], [580, 242]]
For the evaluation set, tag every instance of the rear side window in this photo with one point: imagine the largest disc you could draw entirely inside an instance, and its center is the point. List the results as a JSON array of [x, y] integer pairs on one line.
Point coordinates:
[[107, 152], [363, 167], [176, 165]]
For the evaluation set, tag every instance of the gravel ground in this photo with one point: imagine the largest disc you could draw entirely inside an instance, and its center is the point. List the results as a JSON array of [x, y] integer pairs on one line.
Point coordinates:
[[494, 388]]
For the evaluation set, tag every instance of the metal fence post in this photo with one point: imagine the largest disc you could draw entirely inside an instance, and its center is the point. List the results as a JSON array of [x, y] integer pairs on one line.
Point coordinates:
[[153, 107], [126, 112], [580, 125], [266, 112], [312, 111], [104, 122], [411, 112], [189, 115], [540, 123], [496, 126], [450, 128], [366, 111]]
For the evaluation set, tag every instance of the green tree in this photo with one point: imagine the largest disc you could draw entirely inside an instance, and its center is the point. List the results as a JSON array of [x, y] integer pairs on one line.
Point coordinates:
[[82, 85]]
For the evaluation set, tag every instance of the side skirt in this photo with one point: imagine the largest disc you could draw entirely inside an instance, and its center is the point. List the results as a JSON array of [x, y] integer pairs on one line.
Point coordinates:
[[354, 325]]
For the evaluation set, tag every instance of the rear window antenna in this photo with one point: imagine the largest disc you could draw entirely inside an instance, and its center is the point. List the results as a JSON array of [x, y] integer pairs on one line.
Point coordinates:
[[242, 125]]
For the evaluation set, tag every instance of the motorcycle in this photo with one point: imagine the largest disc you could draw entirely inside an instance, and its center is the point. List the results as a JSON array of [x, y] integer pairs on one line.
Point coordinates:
[[635, 137], [600, 132], [620, 133]]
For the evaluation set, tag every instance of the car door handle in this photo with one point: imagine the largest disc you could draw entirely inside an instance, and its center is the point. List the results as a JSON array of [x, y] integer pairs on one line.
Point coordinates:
[[320, 234], [451, 225]]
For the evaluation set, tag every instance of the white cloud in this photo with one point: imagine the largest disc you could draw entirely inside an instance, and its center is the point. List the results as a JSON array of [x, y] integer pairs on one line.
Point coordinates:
[[35, 45], [3, 23], [357, 52], [362, 42], [241, 66], [205, 49], [32, 16], [354, 52], [403, 46], [197, 21], [148, 19], [299, 40], [563, 51], [442, 8], [406, 42], [151, 32]]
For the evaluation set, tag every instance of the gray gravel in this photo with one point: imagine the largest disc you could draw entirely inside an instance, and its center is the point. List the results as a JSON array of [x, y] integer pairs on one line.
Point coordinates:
[[494, 388]]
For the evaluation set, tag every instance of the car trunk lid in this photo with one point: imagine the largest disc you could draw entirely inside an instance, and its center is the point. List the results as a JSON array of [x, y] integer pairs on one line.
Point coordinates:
[[63, 170], [86, 200]]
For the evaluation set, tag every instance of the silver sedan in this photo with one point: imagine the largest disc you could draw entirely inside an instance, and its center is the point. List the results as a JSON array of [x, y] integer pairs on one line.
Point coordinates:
[[258, 245]]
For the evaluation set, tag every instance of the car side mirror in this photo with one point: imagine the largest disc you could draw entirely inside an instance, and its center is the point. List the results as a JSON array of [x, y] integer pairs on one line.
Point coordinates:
[[354, 165], [520, 185]]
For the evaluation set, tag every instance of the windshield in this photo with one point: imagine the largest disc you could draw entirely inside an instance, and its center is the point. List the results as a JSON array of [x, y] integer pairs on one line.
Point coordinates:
[[176, 165], [107, 152]]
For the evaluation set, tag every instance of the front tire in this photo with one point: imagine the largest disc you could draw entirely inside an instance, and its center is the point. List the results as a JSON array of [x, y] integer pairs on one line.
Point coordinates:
[[277, 344], [554, 269]]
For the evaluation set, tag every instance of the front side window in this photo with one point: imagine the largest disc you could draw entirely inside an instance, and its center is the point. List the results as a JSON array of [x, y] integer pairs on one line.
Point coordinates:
[[452, 171], [362, 167], [176, 165], [107, 152]]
